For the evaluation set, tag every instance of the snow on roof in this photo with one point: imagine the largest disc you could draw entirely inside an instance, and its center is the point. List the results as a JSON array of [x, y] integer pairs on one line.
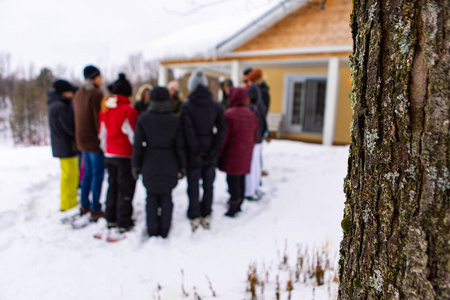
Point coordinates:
[[205, 40]]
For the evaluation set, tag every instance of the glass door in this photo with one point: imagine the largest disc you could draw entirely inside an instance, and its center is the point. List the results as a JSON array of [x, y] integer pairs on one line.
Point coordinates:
[[305, 104]]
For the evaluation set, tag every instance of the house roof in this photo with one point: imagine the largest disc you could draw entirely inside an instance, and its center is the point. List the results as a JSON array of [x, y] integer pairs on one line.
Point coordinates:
[[222, 35]]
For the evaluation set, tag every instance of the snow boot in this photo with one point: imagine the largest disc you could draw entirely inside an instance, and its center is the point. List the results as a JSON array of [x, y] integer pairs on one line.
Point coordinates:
[[206, 222], [114, 235], [126, 229], [234, 207], [195, 223], [110, 225], [253, 198], [96, 215], [84, 211]]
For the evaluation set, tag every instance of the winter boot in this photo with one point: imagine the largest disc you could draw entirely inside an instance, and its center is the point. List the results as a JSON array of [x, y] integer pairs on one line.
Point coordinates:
[[114, 235], [84, 211], [255, 197], [96, 215], [195, 223], [110, 225], [206, 222], [234, 207], [125, 229]]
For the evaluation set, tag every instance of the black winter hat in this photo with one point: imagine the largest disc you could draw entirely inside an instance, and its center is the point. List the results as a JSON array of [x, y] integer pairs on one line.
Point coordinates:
[[247, 71], [62, 86], [122, 86], [159, 93], [90, 72]]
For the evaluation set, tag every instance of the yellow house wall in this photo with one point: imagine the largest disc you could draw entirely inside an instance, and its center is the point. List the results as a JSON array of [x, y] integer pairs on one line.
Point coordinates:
[[275, 80], [344, 112], [317, 23]]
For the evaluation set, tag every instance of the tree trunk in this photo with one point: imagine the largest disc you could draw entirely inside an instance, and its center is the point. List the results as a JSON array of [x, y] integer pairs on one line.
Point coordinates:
[[396, 219]]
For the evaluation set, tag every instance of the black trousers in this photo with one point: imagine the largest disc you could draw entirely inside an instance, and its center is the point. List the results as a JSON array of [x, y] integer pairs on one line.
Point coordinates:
[[119, 206], [159, 214], [236, 186], [201, 208]]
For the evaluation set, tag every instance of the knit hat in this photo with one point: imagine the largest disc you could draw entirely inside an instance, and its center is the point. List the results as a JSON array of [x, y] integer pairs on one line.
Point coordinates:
[[122, 86], [90, 72], [255, 75], [159, 93], [246, 71], [173, 85], [62, 86], [197, 78]]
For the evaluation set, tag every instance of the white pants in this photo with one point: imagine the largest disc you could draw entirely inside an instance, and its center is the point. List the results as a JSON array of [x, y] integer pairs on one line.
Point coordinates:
[[253, 179]]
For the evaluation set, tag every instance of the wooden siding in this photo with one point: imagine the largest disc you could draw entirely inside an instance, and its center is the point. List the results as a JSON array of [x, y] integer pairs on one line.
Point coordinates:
[[318, 23]]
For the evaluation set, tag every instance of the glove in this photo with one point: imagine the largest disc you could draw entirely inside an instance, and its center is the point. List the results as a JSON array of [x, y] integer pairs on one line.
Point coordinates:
[[181, 173], [135, 171]]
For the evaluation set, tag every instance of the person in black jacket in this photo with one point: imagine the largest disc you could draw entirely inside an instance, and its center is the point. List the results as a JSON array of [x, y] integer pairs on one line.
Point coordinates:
[[62, 134], [158, 153], [204, 130]]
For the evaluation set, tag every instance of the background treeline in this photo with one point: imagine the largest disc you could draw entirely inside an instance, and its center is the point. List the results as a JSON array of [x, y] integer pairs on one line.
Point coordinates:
[[23, 95]]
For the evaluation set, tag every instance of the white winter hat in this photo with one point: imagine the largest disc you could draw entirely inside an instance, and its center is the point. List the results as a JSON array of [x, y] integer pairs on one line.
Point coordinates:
[[197, 78]]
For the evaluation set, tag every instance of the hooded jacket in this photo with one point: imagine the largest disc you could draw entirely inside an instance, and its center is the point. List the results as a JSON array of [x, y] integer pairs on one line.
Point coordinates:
[[159, 148], [203, 125], [62, 129], [242, 125], [117, 124], [86, 106]]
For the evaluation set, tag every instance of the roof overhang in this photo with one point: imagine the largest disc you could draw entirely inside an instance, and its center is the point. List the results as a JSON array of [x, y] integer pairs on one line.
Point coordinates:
[[258, 25], [291, 51]]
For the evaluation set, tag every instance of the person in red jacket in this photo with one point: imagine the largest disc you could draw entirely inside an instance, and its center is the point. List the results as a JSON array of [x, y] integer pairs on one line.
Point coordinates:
[[116, 134], [236, 151]]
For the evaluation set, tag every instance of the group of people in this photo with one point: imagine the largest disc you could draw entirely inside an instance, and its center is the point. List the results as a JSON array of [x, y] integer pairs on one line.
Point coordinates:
[[160, 138]]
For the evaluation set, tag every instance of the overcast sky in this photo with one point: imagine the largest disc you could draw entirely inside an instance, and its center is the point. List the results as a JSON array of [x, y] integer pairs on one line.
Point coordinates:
[[101, 32]]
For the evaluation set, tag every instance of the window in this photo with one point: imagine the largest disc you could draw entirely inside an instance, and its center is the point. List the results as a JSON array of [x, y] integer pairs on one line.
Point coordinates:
[[305, 103]]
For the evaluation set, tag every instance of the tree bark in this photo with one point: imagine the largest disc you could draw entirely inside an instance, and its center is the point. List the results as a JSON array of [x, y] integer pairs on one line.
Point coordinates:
[[396, 220]]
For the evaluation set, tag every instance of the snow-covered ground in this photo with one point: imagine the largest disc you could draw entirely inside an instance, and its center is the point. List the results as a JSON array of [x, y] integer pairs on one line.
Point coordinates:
[[41, 258]]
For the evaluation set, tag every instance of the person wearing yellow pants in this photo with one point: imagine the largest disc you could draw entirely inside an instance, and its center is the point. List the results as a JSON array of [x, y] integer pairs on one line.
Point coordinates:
[[69, 182], [62, 134]]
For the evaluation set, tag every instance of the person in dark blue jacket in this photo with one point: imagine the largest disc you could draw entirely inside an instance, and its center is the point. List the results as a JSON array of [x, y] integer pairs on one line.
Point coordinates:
[[204, 130], [62, 134]]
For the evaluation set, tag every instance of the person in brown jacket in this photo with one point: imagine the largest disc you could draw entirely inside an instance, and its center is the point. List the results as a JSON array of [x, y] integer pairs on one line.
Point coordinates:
[[86, 106]]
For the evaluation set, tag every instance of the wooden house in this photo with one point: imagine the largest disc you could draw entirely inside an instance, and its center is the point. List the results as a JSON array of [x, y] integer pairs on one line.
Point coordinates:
[[303, 48]]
